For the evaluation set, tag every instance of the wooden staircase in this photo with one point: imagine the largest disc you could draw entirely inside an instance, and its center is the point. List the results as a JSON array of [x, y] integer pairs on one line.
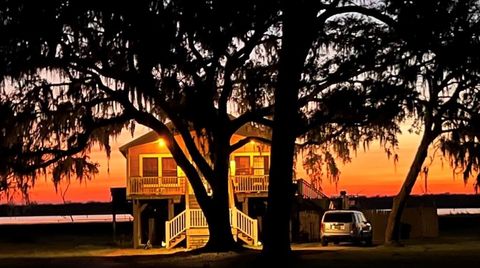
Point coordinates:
[[197, 231], [192, 226], [247, 228], [246, 239], [193, 202], [177, 239], [175, 230]]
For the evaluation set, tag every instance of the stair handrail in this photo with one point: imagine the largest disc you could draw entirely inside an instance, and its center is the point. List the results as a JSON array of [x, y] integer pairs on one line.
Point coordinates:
[[245, 224], [175, 227], [196, 218]]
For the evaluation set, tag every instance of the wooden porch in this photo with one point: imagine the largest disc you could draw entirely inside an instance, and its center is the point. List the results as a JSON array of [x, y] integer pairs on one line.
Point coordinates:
[[190, 225], [308, 191], [244, 185], [140, 187], [156, 187]]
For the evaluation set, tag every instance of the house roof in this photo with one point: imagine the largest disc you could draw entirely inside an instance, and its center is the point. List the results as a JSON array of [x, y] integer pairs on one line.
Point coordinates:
[[151, 136]]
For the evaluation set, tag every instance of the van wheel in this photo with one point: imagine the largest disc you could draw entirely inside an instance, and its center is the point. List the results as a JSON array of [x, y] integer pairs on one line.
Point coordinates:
[[368, 242], [324, 242]]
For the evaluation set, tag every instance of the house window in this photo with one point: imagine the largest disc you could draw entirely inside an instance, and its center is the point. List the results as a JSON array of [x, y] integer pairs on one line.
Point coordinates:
[[260, 165], [242, 165], [169, 167], [150, 167]]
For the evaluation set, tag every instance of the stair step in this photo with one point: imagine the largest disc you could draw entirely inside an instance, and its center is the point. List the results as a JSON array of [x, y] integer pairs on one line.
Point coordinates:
[[176, 240], [192, 202]]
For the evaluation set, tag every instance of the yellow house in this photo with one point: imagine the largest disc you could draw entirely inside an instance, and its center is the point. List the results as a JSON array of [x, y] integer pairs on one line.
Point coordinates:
[[165, 209]]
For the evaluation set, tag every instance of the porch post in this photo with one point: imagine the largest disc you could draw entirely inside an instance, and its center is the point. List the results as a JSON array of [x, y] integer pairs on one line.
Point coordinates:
[[187, 206], [171, 211], [136, 223], [245, 206]]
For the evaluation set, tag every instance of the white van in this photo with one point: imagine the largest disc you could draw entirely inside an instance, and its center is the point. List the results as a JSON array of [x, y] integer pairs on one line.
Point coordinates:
[[345, 225]]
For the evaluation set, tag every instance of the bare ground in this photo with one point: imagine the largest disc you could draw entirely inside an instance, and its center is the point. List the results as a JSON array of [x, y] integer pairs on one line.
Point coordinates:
[[447, 251], [457, 246]]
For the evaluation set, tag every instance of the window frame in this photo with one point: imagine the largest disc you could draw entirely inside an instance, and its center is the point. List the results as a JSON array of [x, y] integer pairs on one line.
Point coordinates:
[[159, 157], [251, 156]]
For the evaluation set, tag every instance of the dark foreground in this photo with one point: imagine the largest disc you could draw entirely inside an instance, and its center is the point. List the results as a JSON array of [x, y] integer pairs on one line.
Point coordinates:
[[457, 246], [464, 253]]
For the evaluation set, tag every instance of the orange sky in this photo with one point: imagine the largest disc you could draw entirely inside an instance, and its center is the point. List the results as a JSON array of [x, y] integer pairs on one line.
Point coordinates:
[[370, 173]]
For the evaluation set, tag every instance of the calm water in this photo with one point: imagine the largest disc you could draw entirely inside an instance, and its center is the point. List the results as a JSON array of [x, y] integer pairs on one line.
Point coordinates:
[[129, 218], [64, 219], [455, 211], [451, 211]]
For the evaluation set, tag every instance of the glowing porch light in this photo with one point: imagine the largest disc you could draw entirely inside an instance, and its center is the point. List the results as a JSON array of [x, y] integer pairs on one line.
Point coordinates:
[[161, 142]]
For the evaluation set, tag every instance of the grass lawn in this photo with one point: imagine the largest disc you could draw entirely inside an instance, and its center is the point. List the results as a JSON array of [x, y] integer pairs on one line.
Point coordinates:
[[35, 247], [444, 251]]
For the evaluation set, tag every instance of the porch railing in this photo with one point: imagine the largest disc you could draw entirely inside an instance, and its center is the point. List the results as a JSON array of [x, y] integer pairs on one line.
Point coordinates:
[[250, 183], [306, 190], [194, 218], [197, 219], [156, 186]]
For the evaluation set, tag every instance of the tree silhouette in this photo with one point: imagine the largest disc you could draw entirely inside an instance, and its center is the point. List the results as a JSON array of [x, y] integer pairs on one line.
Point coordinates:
[[439, 60], [85, 70], [332, 101], [200, 62], [336, 74]]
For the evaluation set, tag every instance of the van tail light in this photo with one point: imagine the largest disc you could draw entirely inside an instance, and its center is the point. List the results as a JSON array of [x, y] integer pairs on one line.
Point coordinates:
[[322, 227]]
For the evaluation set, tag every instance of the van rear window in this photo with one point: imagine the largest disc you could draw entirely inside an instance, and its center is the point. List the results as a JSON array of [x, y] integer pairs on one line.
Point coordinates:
[[338, 217]]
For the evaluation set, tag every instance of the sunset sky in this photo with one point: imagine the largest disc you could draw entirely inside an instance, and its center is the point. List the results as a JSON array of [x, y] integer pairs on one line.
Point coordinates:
[[370, 173]]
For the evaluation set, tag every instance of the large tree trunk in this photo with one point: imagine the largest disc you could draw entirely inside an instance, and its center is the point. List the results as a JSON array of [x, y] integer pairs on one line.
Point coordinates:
[[295, 45], [392, 232], [216, 207], [221, 238], [218, 214]]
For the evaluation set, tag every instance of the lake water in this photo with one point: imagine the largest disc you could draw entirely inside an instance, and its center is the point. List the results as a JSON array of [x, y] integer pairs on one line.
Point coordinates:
[[451, 211], [129, 218], [455, 211], [65, 219]]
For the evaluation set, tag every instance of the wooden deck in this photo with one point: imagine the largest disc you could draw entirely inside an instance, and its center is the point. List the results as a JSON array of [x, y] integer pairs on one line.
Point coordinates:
[[166, 187], [243, 186], [155, 186], [250, 183]]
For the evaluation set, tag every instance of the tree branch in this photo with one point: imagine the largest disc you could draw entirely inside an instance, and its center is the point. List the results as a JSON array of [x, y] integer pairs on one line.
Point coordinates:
[[374, 13], [246, 140], [257, 116], [149, 120], [57, 154]]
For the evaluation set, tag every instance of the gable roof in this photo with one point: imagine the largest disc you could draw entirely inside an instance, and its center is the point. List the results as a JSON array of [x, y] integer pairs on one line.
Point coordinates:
[[151, 136]]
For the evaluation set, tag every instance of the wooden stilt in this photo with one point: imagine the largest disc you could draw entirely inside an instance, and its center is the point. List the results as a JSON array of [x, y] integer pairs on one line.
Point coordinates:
[[171, 211], [136, 224], [245, 206]]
